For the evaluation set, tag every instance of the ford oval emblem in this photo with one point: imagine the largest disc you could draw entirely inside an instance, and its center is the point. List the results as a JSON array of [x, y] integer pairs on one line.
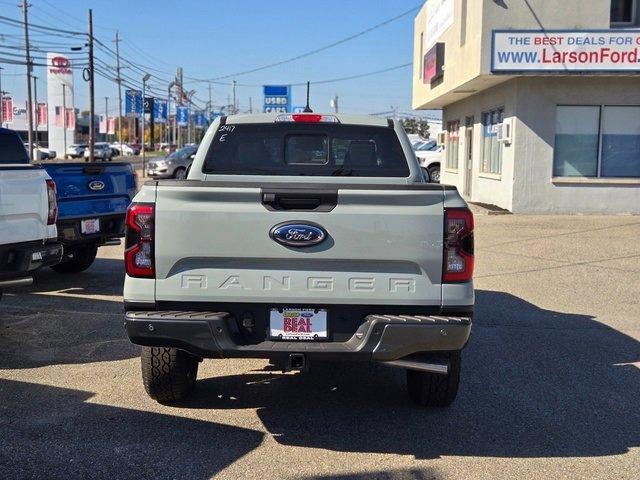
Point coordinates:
[[298, 234], [96, 185]]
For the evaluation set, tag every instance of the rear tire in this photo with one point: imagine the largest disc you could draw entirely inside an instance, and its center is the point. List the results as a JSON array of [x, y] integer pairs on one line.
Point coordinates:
[[434, 174], [432, 389], [82, 259], [169, 375]]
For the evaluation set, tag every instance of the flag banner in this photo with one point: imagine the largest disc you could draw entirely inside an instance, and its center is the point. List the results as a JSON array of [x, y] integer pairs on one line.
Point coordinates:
[[7, 110], [43, 114], [182, 115], [102, 124], [133, 103], [160, 111], [58, 121], [71, 119], [111, 126]]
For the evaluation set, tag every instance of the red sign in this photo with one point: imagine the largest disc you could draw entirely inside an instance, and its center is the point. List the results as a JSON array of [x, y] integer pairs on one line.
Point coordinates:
[[60, 65], [42, 116], [7, 110], [111, 126], [71, 119]]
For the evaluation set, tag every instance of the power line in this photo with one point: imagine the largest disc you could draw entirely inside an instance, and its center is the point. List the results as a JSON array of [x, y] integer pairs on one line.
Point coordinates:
[[314, 51]]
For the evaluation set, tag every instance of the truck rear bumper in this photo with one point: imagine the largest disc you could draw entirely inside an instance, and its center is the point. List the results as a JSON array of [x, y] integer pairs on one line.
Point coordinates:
[[379, 338], [20, 260], [111, 226]]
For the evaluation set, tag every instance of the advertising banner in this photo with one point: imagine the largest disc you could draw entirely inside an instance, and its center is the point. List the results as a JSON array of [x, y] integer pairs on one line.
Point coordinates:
[[277, 98], [42, 115], [102, 124], [182, 116], [133, 103], [566, 51], [7, 110], [71, 119], [160, 111], [111, 126]]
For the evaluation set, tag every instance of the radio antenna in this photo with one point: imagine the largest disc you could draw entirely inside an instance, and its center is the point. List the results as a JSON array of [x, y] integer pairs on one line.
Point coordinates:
[[307, 109]]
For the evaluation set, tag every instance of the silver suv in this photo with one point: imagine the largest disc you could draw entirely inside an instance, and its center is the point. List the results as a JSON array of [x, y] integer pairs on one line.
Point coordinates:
[[174, 165]]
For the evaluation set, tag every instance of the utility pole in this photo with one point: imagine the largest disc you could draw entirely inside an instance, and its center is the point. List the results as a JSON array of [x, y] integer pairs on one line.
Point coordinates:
[[144, 150], [119, 80], [106, 119], [25, 7], [209, 104], [1, 98], [250, 105], [92, 112], [64, 117], [235, 107], [334, 103], [35, 102]]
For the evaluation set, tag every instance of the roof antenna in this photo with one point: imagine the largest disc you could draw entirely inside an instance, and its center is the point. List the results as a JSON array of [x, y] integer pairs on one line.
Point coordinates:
[[307, 109]]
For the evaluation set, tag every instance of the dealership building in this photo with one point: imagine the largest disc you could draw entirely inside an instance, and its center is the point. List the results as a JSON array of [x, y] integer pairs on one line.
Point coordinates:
[[540, 101]]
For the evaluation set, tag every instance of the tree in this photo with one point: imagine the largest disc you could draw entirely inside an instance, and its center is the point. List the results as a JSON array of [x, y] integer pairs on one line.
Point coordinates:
[[416, 125]]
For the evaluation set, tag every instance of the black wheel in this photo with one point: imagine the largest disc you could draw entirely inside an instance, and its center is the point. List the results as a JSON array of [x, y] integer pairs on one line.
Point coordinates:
[[432, 389], [80, 259], [180, 173], [434, 173], [169, 375]]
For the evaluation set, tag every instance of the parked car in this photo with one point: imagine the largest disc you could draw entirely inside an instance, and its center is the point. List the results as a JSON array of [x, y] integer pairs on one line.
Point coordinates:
[[28, 212], [76, 150], [136, 147], [92, 201], [101, 151], [122, 149], [175, 165], [429, 154], [300, 238], [40, 152]]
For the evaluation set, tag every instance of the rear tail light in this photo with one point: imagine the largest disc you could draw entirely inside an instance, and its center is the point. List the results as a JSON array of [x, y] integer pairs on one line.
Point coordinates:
[[52, 214], [458, 245], [139, 247], [307, 118]]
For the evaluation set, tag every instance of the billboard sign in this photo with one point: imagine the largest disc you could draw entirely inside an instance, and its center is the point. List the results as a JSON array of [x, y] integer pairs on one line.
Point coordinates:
[[60, 93], [565, 51], [277, 98], [133, 103], [182, 116]]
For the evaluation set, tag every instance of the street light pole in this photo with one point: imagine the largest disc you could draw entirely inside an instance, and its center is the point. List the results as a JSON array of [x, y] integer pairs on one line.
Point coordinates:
[[64, 117], [92, 112], [35, 102], [25, 7], [168, 115], [106, 119], [144, 150]]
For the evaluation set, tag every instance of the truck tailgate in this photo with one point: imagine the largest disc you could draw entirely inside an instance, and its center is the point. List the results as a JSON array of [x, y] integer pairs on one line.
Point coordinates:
[[24, 205], [383, 245], [92, 189]]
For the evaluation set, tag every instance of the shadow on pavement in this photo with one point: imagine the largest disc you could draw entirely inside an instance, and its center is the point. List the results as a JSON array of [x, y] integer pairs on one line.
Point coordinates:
[[535, 383], [396, 474], [50, 432], [40, 327]]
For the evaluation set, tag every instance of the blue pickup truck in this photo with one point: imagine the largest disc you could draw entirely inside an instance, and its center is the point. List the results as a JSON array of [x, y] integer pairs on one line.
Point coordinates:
[[92, 203]]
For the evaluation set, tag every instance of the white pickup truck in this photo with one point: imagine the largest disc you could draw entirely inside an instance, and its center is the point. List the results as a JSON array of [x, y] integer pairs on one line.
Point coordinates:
[[300, 238], [28, 211]]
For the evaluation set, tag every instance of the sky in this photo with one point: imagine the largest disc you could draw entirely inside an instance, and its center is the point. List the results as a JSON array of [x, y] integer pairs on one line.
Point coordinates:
[[215, 38]]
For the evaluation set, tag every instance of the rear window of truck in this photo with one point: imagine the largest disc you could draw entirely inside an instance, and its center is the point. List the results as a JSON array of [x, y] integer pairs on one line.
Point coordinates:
[[304, 149], [12, 149]]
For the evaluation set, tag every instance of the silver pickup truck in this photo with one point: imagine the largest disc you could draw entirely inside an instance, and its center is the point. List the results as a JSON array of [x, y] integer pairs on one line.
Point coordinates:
[[299, 238]]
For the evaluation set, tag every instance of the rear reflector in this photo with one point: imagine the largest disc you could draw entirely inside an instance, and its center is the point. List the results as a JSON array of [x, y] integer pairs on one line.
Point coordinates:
[[307, 118], [458, 245]]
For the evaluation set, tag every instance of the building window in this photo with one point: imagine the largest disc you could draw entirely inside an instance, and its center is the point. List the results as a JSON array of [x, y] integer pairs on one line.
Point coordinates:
[[453, 142], [491, 148], [594, 141], [623, 12]]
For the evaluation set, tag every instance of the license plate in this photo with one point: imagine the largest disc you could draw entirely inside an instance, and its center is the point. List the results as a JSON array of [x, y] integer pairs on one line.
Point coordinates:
[[90, 226], [298, 323]]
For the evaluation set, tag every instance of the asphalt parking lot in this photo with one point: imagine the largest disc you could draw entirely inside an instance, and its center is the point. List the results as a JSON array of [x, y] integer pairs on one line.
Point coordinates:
[[550, 383]]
